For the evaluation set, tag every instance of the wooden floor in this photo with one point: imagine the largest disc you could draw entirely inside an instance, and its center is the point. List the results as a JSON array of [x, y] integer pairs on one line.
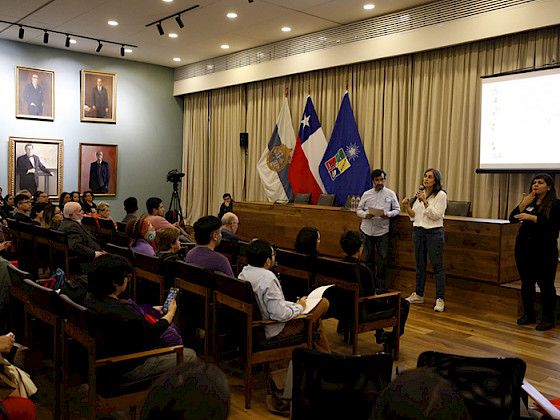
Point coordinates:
[[479, 320]]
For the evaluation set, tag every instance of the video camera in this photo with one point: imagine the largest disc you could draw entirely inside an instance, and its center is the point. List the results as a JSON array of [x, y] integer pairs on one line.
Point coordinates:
[[175, 176]]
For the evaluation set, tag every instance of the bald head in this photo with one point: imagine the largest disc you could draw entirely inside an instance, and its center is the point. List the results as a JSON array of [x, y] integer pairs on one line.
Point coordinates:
[[230, 222], [73, 210]]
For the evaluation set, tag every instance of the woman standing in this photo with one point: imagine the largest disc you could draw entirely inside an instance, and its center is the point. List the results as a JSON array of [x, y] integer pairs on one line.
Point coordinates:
[[536, 249], [426, 211]]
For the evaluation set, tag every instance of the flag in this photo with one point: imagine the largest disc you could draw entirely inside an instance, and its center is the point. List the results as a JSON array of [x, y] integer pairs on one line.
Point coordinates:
[[344, 168], [275, 159], [310, 148]]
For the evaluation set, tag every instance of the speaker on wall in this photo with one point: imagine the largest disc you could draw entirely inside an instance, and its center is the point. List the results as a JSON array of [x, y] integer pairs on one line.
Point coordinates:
[[244, 140]]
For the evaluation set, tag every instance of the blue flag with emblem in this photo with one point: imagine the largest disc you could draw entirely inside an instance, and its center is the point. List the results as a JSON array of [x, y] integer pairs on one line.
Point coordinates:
[[344, 168]]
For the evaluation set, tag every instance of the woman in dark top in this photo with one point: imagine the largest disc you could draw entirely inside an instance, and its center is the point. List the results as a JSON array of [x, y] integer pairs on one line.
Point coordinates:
[[536, 249], [8, 206], [87, 203], [308, 241], [52, 216], [64, 198], [123, 326]]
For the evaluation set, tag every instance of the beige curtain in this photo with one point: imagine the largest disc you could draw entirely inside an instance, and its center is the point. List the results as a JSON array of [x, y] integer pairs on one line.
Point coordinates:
[[413, 112]]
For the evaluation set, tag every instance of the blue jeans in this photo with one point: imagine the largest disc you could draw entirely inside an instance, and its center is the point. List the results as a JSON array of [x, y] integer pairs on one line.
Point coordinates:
[[376, 248], [429, 242]]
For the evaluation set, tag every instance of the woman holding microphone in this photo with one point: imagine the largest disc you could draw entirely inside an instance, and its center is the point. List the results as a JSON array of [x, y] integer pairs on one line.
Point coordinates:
[[426, 211], [536, 249]]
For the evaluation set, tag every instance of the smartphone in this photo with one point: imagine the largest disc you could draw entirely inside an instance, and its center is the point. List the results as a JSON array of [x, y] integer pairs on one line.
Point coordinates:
[[172, 295]]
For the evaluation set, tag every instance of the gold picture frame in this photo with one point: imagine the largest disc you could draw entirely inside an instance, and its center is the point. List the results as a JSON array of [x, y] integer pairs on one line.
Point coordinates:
[[35, 164], [34, 93], [100, 178], [98, 101]]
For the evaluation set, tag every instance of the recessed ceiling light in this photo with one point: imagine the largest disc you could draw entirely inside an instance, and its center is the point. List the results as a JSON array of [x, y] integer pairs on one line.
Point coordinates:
[[369, 6], [73, 41], [405, 18], [176, 59], [224, 46], [113, 22], [173, 35], [286, 29], [232, 15], [128, 50], [168, 1]]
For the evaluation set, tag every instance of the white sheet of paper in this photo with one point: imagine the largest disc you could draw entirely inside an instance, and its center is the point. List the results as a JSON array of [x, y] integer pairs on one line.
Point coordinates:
[[314, 298]]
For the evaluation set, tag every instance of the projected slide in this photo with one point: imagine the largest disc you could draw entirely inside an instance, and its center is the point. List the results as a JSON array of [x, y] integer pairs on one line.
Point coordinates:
[[520, 121]]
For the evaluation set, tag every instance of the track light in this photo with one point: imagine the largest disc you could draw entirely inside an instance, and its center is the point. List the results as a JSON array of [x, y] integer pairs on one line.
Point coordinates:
[[46, 38], [67, 43], [99, 46], [160, 28], [180, 22], [122, 50], [21, 32]]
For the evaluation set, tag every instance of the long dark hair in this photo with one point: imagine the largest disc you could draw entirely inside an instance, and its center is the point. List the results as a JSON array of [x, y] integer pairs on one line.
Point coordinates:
[[438, 186], [306, 241], [550, 196]]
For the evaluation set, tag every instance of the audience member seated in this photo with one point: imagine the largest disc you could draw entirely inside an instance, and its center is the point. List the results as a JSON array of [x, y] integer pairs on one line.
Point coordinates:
[[208, 234], [5, 283], [230, 224], [131, 208], [8, 207], [40, 197], [52, 216], [142, 235], [80, 241], [227, 205], [156, 211], [352, 244], [167, 242], [75, 197], [103, 212], [307, 241], [194, 391], [87, 203], [15, 387], [37, 213], [127, 327], [23, 209], [261, 257], [420, 394], [64, 198]]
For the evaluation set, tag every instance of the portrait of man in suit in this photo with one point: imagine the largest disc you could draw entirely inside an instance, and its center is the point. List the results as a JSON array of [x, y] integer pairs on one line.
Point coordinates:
[[28, 167], [99, 174], [34, 93], [98, 96]]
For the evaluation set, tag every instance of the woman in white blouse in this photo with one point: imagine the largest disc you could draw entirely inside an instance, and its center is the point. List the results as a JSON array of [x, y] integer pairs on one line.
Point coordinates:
[[426, 210]]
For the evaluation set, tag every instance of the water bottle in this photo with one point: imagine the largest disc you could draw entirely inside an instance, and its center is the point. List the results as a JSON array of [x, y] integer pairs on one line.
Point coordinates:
[[353, 203]]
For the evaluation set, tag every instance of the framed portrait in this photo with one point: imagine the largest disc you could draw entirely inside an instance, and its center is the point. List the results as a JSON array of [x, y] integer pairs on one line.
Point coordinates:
[[98, 169], [35, 164], [99, 96], [34, 93]]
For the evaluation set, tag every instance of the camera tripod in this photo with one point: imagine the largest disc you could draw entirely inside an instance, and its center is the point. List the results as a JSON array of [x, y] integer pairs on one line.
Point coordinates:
[[175, 213]]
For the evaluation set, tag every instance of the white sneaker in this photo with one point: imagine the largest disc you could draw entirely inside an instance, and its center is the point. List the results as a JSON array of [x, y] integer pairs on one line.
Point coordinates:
[[440, 305], [414, 298]]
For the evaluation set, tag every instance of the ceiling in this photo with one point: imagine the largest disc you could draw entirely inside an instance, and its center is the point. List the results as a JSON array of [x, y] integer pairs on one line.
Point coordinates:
[[206, 27]]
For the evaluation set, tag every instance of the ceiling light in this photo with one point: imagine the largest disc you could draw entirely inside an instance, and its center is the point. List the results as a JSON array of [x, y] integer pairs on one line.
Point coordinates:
[[122, 50], [46, 38], [99, 46], [286, 29], [231, 15], [128, 50], [168, 1], [322, 38], [176, 59], [160, 28], [113, 22], [21, 32], [209, 67], [73, 41], [405, 18], [67, 43], [179, 22], [224, 46], [173, 35], [369, 6]]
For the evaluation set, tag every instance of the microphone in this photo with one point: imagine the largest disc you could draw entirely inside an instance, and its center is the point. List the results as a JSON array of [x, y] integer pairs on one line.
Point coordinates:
[[421, 188]]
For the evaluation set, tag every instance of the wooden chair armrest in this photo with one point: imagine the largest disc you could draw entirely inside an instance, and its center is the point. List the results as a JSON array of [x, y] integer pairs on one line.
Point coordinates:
[[139, 355], [270, 321], [381, 296]]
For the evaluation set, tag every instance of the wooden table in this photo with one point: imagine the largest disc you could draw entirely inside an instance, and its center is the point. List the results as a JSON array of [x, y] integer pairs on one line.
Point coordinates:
[[477, 249]]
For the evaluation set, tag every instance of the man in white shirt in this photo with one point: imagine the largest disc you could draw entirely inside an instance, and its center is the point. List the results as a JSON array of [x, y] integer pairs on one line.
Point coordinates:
[[270, 298], [376, 228]]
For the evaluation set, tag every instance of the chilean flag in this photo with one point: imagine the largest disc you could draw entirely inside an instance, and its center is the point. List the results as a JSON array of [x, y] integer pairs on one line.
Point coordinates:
[[310, 147]]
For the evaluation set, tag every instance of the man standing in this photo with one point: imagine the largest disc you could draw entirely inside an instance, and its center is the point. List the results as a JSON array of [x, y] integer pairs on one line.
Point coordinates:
[[376, 227], [27, 167], [230, 224], [208, 235], [33, 95], [100, 100], [99, 175]]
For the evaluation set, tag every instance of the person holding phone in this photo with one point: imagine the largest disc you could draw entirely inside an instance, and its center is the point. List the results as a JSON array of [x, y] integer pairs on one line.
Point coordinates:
[[123, 325]]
